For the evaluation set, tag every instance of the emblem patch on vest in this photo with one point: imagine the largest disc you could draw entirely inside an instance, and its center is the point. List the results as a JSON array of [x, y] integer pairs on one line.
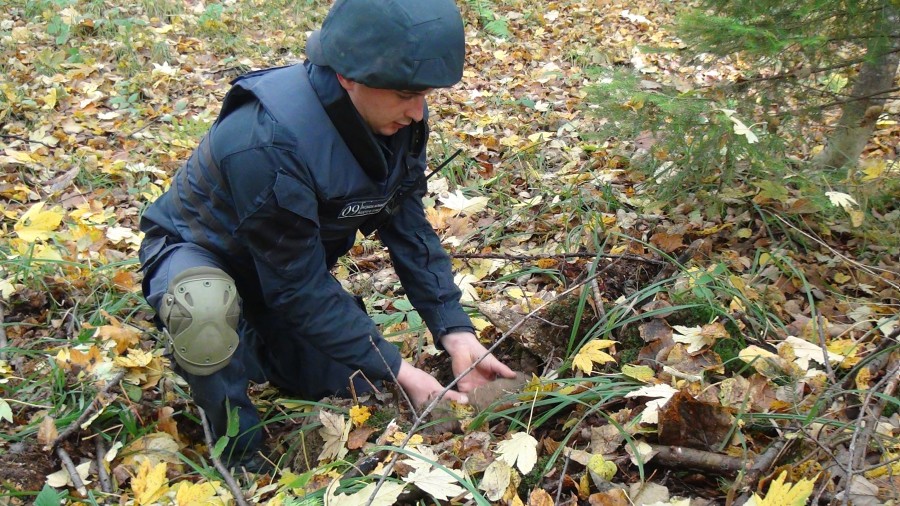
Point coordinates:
[[361, 208]]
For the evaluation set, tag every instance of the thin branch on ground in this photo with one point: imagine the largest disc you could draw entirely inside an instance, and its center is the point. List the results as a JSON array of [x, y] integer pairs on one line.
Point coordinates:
[[226, 474], [409, 401], [761, 465], [527, 258], [72, 470], [865, 268], [866, 423], [24, 139], [675, 456], [105, 482], [3, 340], [94, 406], [562, 478]]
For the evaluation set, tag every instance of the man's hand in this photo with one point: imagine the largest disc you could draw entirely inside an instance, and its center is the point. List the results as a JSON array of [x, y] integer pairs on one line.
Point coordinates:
[[421, 387], [464, 350]]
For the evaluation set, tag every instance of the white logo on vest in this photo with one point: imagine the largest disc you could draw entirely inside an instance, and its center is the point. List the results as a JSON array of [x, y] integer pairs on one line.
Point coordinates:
[[362, 208]]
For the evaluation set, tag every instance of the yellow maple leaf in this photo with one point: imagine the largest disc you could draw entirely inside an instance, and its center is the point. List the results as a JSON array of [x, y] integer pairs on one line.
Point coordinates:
[[124, 337], [67, 358], [189, 494], [150, 483], [37, 224], [785, 494], [591, 354], [359, 415], [134, 358], [398, 437]]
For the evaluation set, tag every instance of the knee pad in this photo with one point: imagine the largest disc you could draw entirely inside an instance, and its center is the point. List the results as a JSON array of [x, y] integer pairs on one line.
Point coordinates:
[[200, 311]]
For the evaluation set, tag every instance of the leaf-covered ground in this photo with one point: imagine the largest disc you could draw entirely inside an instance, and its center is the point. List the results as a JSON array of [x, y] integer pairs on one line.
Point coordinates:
[[684, 357]]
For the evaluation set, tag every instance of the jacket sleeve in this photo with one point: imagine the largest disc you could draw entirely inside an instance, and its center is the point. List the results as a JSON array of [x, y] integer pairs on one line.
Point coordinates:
[[278, 224], [422, 264]]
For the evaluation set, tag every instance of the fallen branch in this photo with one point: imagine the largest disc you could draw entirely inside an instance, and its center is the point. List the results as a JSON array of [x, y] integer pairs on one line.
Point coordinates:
[[24, 139], [673, 456], [226, 474], [527, 258], [866, 423], [3, 341], [105, 482], [94, 406], [762, 465], [72, 470], [869, 269]]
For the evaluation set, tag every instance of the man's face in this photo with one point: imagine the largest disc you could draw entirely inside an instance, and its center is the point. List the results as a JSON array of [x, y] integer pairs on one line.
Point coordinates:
[[385, 111]]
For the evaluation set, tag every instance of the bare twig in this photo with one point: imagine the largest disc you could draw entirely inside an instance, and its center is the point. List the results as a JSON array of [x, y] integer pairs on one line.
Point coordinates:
[[94, 406], [3, 341], [598, 299], [24, 139], [866, 423], [226, 474], [409, 401], [105, 482], [72, 470], [865, 268], [527, 258], [761, 465], [562, 478], [697, 459]]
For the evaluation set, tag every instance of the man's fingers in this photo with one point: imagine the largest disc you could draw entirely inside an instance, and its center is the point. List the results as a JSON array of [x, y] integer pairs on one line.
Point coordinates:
[[499, 367], [457, 397]]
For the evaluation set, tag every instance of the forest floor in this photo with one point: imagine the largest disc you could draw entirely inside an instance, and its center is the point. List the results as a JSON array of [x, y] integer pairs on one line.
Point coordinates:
[[670, 354]]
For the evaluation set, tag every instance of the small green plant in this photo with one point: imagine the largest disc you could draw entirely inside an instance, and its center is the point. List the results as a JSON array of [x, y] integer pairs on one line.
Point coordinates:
[[491, 22], [402, 311]]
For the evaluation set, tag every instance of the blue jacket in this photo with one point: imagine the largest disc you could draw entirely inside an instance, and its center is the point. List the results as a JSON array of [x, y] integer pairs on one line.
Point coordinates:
[[278, 189]]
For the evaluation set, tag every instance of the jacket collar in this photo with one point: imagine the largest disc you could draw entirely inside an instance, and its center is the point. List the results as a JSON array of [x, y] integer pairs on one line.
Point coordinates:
[[354, 131]]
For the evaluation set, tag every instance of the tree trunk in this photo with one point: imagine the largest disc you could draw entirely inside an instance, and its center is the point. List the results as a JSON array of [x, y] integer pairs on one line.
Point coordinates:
[[858, 116]]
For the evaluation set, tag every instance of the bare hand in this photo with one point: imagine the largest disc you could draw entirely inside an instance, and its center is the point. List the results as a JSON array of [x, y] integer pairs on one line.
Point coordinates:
[[421, 387], [464, 350]]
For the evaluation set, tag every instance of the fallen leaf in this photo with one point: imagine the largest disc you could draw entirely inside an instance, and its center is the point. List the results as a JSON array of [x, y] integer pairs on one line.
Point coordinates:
[[691, 336], [47, 432], [606, 439], [150, 484], [602, 468], [660, 395], [461, 204], [539, 497], [387, 495], [685, 421], [804, 351], [358, 437], [495, 479], [189, 494], [359, 415], [61, 478], [519, 450], [591, 353], [841, 200], [785, 494], [641, 373], [614, 497], [37, 224], [335, 432], [435, 482]]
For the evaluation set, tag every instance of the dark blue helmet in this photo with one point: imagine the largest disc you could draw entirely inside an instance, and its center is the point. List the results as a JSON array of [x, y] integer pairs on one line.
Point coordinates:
[[392, 44]]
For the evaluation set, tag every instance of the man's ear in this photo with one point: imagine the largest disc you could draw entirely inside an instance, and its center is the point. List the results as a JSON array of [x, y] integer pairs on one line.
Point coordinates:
[[347, 84]]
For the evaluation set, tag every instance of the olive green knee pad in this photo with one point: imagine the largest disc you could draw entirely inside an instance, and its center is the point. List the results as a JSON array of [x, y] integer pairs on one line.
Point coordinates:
[[200, 311]]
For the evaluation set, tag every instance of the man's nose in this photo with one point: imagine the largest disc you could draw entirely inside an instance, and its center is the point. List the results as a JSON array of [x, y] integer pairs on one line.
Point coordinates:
[[416, 110]]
